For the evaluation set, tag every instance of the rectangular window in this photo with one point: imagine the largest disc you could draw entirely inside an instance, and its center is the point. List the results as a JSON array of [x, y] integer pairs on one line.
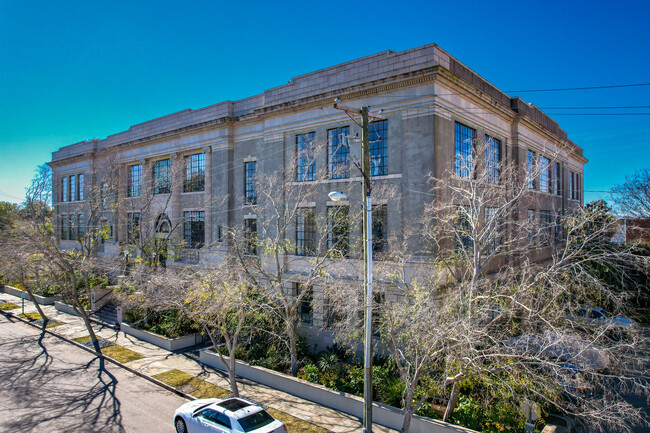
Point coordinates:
[[305, 309], [492, 159], [250, 236], [378, 141], [558, 228], [305, 157], [72, 235], [81, 225], [250, 190], [162, 180], [306, 232], [338, 234], [338, 153], [134, 186], [64, 228], [578, 187], [463, 232], [73, 188], [194, 228], [379, 225], [531, 227], [492, 229], [219, 233], [557, 179], [545, 174], [464, 150], [194, 173], [64, 188], [532, 184], [545, 227], [80, 190], [133, 226]]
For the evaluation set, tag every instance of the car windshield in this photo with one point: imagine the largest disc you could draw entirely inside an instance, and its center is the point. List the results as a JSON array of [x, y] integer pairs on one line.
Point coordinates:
[[255, 421]]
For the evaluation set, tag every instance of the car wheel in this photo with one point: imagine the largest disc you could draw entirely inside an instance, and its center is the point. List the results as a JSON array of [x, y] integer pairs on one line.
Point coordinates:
[[616, 335], [180, 426]]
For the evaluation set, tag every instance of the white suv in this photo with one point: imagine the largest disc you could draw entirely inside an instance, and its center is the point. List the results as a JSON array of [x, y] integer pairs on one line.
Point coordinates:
[[213, 415]]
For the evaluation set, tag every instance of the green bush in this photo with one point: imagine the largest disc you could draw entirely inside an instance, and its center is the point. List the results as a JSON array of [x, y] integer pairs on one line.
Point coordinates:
[[495, 417], [170, 323]]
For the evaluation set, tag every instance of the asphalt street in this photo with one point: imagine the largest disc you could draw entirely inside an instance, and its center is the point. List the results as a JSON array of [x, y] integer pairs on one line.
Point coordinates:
[[49, 385]]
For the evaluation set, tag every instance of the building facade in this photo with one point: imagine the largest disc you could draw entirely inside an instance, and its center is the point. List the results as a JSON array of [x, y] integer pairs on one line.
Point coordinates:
[[199, 167]]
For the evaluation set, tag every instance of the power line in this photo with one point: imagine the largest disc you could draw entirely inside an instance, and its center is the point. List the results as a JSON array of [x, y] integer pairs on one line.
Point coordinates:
[[565, 89]]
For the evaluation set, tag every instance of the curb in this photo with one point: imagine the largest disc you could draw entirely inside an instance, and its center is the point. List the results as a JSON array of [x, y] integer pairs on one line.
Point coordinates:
[[111, 360]]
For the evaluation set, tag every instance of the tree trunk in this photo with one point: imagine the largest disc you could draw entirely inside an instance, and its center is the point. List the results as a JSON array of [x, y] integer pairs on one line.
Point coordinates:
[[453, 399], [231, 376], [408, 410], [38, 307], [82, 312]]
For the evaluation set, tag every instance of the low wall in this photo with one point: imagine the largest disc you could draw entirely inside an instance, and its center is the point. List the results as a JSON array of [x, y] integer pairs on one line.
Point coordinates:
[[170, 344], [386, 416], [65, 308], [43, 300]]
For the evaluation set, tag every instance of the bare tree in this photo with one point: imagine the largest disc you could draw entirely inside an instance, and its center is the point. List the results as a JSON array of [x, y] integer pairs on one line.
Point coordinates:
[[633, 197]]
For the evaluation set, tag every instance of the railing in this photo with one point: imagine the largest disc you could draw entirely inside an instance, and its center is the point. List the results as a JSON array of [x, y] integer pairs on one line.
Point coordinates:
[[100, 297], [188, 256]]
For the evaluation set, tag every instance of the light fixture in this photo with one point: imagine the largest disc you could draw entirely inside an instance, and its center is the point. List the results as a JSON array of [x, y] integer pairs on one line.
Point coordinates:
[[337, 99], [380, 111], [337, 196]]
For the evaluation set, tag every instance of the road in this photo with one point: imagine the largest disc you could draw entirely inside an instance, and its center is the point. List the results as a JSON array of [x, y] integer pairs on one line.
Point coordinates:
[[48, 385]]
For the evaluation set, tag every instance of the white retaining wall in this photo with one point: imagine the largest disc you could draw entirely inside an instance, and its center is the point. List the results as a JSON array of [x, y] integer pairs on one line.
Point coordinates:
[[160, 341], [43, 300], [352, 405]]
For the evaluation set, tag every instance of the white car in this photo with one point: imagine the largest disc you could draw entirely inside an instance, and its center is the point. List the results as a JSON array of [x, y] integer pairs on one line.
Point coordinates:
[[213, 415], [618, 327]]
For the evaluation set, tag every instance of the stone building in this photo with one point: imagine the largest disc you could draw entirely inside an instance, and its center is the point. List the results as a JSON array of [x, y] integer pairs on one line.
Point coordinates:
[[202, 164]]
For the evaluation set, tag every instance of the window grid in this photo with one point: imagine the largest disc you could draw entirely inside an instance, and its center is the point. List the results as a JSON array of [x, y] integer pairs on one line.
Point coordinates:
[[464, 150], [305, 152], [306, 232], [531, 169], [464, 239], [492, 228], [379, 232], [306, 309], [162, 182], [545, 226], [250, 191], [73, 187], [545, 174], [531, 226], [133, 226], [338, 236], [64, 188], [134, 187], [71, 227], [492, 159], [194, 173], [64, 228], [194, 228], [378, 140], [80, 189], [81, 225], [338, 153], [250, 236]]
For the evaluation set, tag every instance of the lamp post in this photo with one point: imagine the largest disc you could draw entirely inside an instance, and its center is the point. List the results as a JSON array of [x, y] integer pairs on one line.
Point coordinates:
[[367, 347]]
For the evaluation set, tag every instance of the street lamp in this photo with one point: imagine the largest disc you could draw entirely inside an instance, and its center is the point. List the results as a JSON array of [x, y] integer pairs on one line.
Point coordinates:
[[367, 347]]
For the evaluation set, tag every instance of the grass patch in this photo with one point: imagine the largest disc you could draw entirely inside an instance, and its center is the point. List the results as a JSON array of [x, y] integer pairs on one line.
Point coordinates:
[[30, 316], [296, 425], [179, 379], [8, 306], [121, 353], [81, 339], [53, 324]]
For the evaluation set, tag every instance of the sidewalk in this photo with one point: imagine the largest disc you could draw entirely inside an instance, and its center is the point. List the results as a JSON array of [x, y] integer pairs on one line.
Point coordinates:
[[157, 360]]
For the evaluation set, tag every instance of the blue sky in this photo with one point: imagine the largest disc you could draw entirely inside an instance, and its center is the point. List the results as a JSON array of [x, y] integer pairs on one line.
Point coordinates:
[[77, 70]]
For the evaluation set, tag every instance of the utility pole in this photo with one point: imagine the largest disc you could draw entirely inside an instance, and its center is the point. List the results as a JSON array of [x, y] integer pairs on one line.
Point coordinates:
[[366, 118]]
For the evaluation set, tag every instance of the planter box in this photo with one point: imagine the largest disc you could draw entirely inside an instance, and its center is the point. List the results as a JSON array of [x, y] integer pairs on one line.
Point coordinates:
[[170, 344], [386, 416], [43, 300], [65, 308]]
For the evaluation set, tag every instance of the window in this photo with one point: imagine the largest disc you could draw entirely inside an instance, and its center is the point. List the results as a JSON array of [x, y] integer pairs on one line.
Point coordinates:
[[194, 173], [545, 226], [305, 154], [338, 235], [305, 232], [332, 314], [305, 309], [194, 228], [80, 190], [531, 226], [81, 226], [558, 228], [379, 224], [464, 150], [220, 233], [531, 170], [492, 159], [73, 188], [575, 186], [133, 226], [250, 236], [64, 188], [162, 181], [557, 179], [464, 234], [71, 228], [338, 153], [378, 140], [250, 192], [492, 229], [545, 174], [134, 186], [64, 227]]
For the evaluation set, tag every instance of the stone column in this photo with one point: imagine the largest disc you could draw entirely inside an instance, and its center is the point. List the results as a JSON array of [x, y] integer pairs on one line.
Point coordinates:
[[207, 197]]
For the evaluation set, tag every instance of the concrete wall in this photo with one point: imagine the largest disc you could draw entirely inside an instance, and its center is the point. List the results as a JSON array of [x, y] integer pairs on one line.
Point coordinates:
[[170, 344]]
